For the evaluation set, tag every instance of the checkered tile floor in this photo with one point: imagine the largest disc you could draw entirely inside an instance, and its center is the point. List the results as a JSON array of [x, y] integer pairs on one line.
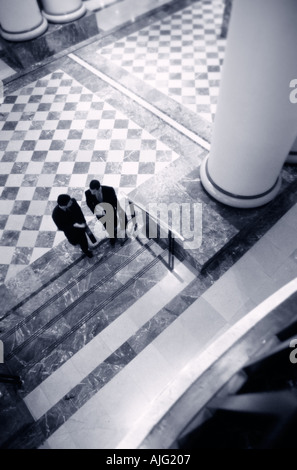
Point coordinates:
[[55, 137], [181, 56]]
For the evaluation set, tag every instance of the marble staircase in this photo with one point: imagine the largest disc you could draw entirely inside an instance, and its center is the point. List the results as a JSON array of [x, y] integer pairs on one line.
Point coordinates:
[[78, 331], [68, 337]]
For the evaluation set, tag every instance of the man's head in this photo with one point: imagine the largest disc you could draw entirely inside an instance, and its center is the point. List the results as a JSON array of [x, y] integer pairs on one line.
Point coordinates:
[[94, 186], [64, 201]]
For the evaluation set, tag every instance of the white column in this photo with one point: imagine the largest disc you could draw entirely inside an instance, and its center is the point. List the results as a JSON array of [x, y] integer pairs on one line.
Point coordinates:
[[256, 122], [21, 20], [63, 11]]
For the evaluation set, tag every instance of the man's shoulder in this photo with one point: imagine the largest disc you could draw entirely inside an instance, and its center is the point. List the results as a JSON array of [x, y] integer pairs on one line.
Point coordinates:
[[57, 213], [75, 203], [56, 210], [108, 189]]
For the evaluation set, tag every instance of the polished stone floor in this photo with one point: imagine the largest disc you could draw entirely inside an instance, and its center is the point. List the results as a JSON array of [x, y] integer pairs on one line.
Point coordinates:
[[133, 106], [180, 56], [51, 123]]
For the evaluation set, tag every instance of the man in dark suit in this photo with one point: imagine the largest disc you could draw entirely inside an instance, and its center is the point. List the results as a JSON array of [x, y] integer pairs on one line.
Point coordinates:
[[111, 214], [69, 218]]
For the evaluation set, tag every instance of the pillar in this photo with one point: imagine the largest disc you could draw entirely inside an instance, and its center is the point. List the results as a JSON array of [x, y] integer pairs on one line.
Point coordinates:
[[63, 11], [21, 20], [256, 122]]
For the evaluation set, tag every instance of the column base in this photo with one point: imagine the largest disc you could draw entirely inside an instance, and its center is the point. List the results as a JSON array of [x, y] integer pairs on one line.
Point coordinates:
[[25, 35], [66, 17], [292, 158], [234, 200]]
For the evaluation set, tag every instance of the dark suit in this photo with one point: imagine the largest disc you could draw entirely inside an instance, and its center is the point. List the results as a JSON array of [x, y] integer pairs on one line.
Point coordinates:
[[108, 197], [64, 220]]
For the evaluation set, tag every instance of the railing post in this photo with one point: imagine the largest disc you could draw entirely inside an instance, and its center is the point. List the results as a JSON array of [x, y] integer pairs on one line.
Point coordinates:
[[171, 233], [133, 215], [147, 225], [170, 250]]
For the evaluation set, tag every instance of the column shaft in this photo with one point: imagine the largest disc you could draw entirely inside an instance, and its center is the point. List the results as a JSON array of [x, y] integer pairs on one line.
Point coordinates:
[[256, 122], [63, 11], [21, 20]]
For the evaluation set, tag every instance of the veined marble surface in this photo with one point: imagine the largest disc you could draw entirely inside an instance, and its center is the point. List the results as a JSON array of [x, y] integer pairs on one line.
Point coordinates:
[[60, 302]]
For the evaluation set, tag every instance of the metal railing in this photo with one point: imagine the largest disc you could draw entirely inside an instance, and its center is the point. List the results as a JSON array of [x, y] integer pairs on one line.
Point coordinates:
[[171, 233]]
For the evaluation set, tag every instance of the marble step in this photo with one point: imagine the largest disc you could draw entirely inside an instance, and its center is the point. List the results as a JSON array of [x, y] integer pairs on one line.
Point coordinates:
[[144, 379], [50, 334], [88, 373], [64, 386], [72, 287], [58, 282], [113, 279], [14, 414]]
